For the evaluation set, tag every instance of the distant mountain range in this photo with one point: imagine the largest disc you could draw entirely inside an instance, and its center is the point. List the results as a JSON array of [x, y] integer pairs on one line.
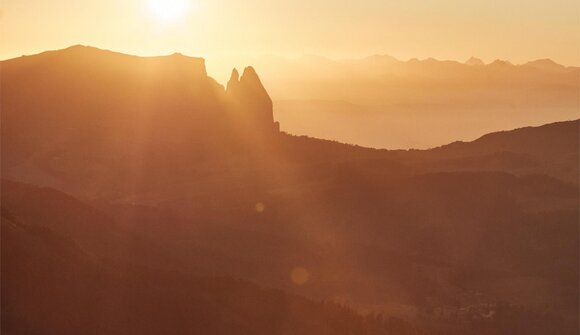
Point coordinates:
[[379, 101], [137, 179]]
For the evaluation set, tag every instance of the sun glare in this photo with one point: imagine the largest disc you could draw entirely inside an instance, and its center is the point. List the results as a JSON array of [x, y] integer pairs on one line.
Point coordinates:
[[169, 10]]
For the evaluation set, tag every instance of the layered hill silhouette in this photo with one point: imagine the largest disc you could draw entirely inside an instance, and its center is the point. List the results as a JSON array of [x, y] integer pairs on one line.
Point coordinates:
[[50, 286], [378, 100], [85, 289], [114, 87], [155, 171]]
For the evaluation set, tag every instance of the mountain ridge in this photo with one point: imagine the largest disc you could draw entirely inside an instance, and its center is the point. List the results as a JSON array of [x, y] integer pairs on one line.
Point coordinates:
[[180, 176]]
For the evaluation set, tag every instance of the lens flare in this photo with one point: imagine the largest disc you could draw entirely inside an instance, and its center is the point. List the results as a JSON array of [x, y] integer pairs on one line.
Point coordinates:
[[299, 275], [260, 207]]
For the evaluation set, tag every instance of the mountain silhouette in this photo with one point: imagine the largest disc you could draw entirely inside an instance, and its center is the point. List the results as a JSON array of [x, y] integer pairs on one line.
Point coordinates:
[[520, 151], [377, 101], [50, 286], [474, 61], [158, 177], [82, 84], [30, 244], [249, 98], [546, 65]]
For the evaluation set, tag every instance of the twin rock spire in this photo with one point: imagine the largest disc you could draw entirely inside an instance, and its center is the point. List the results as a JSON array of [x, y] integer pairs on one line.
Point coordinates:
[[249, 100]]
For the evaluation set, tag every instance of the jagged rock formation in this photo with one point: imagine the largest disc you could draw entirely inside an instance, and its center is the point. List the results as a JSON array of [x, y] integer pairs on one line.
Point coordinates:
[[110, 103], [123, 92], [249, 102]]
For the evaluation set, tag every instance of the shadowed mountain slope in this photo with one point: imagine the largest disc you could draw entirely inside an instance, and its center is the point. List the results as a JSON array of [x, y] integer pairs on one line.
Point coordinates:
[[372, 248], [550, 149], [50, 286]]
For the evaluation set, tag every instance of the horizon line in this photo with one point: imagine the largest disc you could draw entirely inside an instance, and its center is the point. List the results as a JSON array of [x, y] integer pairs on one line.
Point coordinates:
[[298, 57]]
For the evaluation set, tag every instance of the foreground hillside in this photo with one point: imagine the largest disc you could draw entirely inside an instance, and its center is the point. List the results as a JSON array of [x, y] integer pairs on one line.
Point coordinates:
[[50, 286], [53, 284]]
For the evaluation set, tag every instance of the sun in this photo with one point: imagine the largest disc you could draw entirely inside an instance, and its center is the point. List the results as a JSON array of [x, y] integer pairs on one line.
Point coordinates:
[[169, 10]]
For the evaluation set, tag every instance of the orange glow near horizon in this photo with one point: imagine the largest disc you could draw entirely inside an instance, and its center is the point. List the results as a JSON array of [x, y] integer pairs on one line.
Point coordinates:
[[517, 30]]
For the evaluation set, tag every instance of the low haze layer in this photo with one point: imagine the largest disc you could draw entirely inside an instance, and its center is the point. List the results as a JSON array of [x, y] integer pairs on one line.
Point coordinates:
[[382, 102]]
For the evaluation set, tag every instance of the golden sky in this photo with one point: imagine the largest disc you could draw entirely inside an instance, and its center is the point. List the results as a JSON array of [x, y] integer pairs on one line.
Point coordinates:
[[515, 30]]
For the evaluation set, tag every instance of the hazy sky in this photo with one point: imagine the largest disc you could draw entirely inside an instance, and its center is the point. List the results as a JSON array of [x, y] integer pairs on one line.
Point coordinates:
[[517, 30]]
